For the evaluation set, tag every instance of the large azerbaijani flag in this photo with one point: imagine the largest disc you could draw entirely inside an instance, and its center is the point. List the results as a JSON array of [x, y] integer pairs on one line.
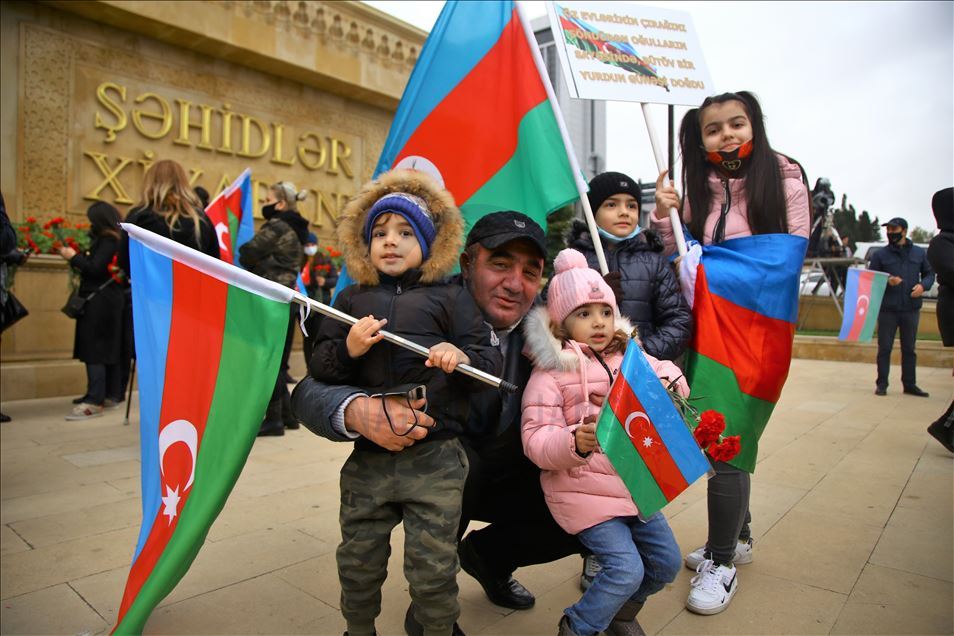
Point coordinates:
[[744, 298], [476, 112], [231, 215], [209, 339], [864, 291], [645, 437], [476, 108]]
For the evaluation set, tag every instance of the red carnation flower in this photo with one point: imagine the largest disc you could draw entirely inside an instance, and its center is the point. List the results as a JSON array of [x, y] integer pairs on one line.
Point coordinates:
[[706, 434], [31, 219], [713, 419], [727, 449]]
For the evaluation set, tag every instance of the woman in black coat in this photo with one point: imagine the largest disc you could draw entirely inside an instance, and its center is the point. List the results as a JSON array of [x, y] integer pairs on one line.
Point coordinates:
[[99, 329]]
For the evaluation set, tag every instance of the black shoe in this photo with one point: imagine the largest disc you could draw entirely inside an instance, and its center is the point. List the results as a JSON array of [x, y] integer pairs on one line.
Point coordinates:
[[503, 591], [881, 390], [271, 431], [914, 390], [80, 399], [413, 628], [4, 417], [287, 379], [288, 418]]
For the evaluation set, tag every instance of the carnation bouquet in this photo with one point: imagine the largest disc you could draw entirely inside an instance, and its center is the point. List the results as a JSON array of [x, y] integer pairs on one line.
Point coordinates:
[[707, 427]]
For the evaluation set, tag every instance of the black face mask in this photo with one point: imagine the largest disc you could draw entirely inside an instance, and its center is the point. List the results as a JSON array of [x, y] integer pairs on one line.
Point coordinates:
[[733, 160], [894, 237], [268, 211]]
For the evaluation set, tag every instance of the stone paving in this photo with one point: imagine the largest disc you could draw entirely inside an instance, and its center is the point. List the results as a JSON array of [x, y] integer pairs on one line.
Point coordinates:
[[852, 504]]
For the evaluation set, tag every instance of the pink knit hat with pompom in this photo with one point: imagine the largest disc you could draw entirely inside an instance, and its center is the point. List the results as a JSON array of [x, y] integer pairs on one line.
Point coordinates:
[[574, 284]]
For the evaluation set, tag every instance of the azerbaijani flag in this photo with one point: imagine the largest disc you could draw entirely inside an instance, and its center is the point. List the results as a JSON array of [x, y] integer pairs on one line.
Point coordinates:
[[231, 216], [476, 108], [864, 290], [203, 328], [645, 437], [744, 298], [475, 113]]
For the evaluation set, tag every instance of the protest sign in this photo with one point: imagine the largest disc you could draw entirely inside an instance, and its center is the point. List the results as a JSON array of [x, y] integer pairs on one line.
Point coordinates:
[[627, 52]]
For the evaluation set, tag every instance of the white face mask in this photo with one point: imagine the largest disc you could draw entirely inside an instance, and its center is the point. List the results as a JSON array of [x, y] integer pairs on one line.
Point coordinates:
[[311, 250]]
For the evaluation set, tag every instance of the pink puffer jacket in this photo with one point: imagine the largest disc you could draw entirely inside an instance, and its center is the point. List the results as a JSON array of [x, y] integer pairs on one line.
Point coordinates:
[[580, 491], [797, 207]]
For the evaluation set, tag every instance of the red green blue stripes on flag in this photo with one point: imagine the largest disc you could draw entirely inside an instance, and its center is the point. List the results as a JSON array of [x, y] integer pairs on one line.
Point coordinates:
[[476, 108], [203, 328], [645, 437], [231, 216], [864, 291], [745, 305]]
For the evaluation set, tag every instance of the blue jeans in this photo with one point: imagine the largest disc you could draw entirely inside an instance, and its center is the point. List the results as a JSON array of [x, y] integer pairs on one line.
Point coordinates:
[[638, 559]]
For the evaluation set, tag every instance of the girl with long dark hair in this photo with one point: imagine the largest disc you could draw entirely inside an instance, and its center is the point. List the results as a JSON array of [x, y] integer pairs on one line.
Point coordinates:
[[99, 329], [736, 185]]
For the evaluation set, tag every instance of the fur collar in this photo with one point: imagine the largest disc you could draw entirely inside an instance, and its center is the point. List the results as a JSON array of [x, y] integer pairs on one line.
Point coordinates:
[[546, 351], [447, 218]]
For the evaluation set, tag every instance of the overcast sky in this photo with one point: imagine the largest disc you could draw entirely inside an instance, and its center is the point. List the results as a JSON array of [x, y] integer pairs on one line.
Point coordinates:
[[859, 92]]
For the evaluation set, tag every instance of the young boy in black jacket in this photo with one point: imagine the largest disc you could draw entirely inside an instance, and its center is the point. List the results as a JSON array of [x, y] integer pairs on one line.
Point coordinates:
[[401, 237]]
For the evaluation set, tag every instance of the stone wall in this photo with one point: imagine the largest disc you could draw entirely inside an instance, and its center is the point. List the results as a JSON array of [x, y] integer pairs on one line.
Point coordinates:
[[94, 92]]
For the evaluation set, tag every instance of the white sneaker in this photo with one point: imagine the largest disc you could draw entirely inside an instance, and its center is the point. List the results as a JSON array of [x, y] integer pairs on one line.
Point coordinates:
[[591, 567], [712, 588], [743, 555], [84, 411]]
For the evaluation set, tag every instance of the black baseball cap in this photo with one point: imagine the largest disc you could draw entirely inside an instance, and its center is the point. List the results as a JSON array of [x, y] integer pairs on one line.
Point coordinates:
[[498, 228], [898, 221]]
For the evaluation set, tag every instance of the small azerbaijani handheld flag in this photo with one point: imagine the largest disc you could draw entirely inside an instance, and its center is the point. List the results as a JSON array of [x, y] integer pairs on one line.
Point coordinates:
[[645, 437], [476, 114], [864, 290], [205, 331], [744, 298], [231, 216]]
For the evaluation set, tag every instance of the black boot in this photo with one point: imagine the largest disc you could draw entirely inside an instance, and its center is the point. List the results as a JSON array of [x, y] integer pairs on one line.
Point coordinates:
[[288, 418], [625, 623], [943, 429], [272, 424]]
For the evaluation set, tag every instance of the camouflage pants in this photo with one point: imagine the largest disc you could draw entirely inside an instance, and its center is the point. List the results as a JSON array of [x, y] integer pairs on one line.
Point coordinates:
[[421, 486]]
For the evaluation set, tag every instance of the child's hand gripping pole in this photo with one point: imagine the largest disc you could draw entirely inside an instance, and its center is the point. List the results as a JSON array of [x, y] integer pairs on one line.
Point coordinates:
[[661, 165], [466, 369]]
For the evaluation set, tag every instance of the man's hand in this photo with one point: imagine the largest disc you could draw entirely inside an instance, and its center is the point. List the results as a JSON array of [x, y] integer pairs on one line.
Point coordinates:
[[363, 335], [917, 290], [365, 416], [446, 357], [586, 436], [894, 280]]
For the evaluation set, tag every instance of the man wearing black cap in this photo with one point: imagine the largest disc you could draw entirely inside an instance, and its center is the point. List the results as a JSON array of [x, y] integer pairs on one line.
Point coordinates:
[[502, 266], [910, 276]]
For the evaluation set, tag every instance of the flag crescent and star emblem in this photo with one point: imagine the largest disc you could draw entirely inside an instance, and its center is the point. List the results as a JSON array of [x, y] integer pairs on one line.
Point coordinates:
[[221, 229], [638, 415], [863, 308], [421, 164], [175, 432]]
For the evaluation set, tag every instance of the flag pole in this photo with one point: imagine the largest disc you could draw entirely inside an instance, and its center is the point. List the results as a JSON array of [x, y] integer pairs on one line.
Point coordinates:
[[581, 185], [661, 165], [341, 316]]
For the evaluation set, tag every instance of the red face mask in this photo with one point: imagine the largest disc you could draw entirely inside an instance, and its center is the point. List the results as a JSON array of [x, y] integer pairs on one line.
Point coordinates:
[[733, 160]]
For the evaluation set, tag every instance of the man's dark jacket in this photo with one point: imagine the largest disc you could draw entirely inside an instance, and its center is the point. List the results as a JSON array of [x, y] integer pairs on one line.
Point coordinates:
[[910, 263]]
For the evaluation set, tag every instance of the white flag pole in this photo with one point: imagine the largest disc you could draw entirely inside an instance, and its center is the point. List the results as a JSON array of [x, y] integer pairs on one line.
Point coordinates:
[[661, 165], [581, 185]]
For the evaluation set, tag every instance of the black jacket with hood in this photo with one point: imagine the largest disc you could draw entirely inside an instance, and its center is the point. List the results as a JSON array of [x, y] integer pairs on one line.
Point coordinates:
[[420, 305], [276, 252], [651, 297], [940, 254]]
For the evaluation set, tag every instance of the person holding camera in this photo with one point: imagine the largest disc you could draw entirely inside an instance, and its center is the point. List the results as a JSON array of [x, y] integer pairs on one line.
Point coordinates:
[[400, 236], [99, 326]]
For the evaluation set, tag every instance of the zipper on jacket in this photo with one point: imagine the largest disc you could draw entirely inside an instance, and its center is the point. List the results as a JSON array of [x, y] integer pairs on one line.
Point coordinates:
[[719, 234], [605, 366]]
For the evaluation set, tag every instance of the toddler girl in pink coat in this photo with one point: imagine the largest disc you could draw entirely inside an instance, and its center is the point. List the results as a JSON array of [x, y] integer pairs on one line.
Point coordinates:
[[576, 343]]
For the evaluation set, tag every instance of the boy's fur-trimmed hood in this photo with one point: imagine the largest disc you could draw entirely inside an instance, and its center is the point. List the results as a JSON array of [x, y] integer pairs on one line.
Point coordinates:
[[546, 351], [444, 212]]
